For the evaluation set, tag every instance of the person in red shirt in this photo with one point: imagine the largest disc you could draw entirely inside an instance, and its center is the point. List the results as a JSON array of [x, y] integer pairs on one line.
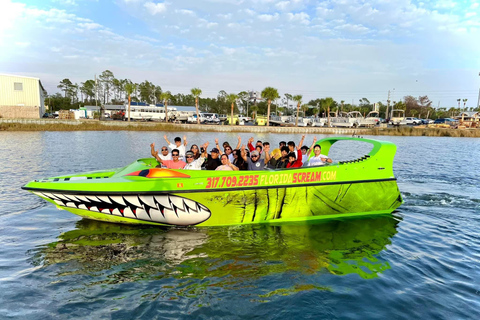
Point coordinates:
[[295, 162], [176, 163]]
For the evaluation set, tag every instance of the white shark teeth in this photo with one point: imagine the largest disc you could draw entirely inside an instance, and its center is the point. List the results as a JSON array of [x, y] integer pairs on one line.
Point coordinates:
[[191, 205], [116, 212], [70, 204], [178, 202], [142, 215], [167, 209], [104, 199], [149, 201], [119, 200], [82, 198], [93, 198], [163, 201], [133, 200], [62, 197], [128, 213]]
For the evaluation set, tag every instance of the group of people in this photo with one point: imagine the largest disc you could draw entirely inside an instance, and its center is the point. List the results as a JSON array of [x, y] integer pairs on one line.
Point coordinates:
[[249, 157]]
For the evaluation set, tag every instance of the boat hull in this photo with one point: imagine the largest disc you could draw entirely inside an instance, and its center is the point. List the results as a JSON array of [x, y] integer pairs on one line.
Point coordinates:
[[141, 193], [231, 207]]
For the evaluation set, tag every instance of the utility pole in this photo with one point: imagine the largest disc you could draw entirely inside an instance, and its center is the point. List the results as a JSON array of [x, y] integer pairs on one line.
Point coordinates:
[[478, 102], [388, 106]]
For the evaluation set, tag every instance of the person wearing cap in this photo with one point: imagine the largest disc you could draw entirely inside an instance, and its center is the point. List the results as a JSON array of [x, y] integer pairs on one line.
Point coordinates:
[[213, 160], [176, 163], [226, 164], [192, 163], [178, 145], [254, 162]]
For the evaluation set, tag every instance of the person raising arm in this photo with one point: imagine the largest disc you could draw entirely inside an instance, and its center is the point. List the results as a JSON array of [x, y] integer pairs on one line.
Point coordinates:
[[318, 159]]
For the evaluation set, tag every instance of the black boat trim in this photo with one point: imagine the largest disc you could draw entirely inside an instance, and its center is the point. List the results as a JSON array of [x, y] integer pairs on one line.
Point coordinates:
[[79, 192]]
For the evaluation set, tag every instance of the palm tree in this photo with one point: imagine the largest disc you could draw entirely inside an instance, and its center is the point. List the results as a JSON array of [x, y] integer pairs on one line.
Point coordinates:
[[164, 97], [328, 103], [196, 92], [129, 89], [342, 102], [298, 99], [270, 94], [289, 97], [464, 103], [232, 97]]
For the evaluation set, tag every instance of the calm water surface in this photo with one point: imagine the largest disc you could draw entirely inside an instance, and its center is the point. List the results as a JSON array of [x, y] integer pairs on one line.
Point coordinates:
[[420, 262]]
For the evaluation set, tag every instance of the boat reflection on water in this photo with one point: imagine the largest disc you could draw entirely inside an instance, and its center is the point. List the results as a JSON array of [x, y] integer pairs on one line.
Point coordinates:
[[223, 255]]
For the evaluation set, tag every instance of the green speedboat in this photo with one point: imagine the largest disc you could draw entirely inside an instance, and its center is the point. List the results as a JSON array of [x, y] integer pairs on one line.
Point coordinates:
[[140, 193]]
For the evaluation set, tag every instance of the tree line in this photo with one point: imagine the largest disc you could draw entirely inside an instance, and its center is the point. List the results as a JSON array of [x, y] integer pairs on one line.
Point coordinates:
[[107, 89]]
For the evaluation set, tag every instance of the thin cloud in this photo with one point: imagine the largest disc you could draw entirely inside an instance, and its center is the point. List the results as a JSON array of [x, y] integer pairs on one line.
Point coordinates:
[[155, 8]]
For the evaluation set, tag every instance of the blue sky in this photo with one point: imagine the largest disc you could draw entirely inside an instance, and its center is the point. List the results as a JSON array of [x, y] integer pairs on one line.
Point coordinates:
[[346, 49]]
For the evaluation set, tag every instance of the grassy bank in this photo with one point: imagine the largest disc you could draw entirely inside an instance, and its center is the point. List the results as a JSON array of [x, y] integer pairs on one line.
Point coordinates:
[[69, 125]]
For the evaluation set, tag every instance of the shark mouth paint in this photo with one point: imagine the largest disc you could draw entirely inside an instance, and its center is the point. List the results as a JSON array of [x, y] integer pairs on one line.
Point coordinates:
[[167, 209]]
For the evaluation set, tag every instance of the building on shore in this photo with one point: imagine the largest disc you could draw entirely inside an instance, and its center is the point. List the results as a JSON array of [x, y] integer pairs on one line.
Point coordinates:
[[21, 97]]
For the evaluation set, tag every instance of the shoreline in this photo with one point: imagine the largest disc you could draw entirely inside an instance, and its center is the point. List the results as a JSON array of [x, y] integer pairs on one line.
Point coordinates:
[[95, 125]]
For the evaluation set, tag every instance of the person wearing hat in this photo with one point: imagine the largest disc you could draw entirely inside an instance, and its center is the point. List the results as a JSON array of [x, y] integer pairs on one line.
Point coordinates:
[[254, 162], [192, 163], [213, 160]]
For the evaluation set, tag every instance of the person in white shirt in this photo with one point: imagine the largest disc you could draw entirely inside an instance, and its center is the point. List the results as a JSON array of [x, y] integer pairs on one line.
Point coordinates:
[[178, 145], [165, 155], [319, 159], [305, 153], [226, 164], [195, 164]]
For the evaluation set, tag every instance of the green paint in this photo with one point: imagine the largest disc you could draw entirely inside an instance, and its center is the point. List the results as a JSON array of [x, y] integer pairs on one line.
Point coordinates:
[[365, 186]]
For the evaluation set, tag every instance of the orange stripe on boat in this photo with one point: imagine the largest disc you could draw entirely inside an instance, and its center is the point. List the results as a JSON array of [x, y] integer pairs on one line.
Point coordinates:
[[158, 173]]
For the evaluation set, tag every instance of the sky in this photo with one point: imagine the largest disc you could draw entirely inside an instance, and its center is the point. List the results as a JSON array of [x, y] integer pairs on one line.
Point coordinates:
[[345, 49]]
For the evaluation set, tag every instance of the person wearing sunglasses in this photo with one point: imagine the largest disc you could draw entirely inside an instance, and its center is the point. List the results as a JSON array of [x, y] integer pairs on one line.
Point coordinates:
[[254, 162], [196, 151], [176, 163], [164, 155], [318, 159], [192, 163]]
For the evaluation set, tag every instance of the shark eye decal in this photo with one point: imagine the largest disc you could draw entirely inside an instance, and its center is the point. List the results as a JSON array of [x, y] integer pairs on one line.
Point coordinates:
[[158, 173]]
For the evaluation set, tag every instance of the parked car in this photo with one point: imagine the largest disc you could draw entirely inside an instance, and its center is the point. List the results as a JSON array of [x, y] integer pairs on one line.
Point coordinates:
[[413, 121], [211, 118], [426, 121], [449, 121], [241, 117]]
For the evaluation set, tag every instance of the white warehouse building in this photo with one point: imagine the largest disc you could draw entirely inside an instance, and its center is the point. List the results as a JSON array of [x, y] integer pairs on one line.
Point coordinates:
[[21, 97]]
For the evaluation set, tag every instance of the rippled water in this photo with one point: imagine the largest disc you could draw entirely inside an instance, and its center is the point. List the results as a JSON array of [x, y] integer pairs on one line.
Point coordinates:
[[420, 262]]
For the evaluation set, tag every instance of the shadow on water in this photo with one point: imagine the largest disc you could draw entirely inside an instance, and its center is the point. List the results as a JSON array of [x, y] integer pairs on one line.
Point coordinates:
[[109, 254]]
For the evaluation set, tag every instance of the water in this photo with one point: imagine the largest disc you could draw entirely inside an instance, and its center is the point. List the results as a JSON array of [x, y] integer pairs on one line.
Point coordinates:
[[420, 262]]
